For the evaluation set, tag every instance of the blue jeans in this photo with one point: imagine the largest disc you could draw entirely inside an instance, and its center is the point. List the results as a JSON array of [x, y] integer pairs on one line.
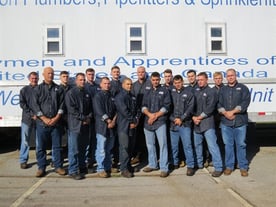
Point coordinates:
[[43, 134], [103, 152], [231, 137], [185, 134], [161, 134], [211, 139], [26, 132], [77, 144]]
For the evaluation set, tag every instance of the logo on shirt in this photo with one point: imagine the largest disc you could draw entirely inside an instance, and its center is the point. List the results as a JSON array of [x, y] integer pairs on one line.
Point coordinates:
[[161, 92]]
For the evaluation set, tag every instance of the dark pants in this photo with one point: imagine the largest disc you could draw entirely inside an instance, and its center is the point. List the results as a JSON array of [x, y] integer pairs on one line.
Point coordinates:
[[43, 136], [125, 146]]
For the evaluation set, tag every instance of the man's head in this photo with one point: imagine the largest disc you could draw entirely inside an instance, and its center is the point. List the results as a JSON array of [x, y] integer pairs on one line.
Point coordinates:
[[155, 79], [168, 76], [178, 82], [48, 74], [115, 72], [231, 76], [141, 73], [33, 78], [64, 77], [90, 75], [202, 79], [218, 78], [105, 83], [127, 84], [191, 76], [80, 80]]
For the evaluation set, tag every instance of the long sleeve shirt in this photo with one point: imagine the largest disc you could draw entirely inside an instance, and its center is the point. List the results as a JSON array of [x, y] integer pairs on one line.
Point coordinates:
[[104, 109], [205, 104], [79, 107], [236, 97], [182, 106], [127, 111], [25, 97], [156, 99], [48, 100]]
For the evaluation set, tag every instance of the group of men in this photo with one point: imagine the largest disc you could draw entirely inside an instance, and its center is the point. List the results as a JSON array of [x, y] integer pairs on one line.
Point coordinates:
[[97, 116]]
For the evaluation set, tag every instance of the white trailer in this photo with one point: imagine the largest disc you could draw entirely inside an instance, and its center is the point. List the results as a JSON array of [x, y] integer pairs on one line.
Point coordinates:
[[72, 35]]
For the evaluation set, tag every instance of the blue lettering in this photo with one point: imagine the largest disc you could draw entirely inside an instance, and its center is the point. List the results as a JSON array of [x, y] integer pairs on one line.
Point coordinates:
[[261, 96], [9, 98]]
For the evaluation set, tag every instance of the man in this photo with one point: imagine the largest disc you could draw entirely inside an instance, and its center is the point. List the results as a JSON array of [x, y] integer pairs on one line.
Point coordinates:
[[180, 119], [115, 88], [138, 90], [79, 105], [48, 104], [218, 81], [115, 83], [64, 84], [234, 99], [204, 126], [168, 79], [92, 87], [191, 76], [28, 118], [127, 120], [64, 81], [156, 104], [105, 119]]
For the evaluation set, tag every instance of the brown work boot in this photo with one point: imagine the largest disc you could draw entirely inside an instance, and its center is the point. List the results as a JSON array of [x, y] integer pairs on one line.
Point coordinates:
[[227, 171], [24, 165], [164, 174], [244, 173], [182, 164], [190, 171], [103, 174], [60, 171], [149, 169], [216, 173], [40, 173], [126, 174]]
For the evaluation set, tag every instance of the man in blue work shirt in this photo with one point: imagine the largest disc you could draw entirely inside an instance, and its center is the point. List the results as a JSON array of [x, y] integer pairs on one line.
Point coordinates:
[[180, 123], [48, 105], [105, 120], [28, 119], [156, 104], [234, 99], [204, 125], [79, 107]]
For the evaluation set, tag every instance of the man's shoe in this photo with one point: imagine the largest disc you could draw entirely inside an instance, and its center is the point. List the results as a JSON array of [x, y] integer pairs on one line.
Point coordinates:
[[164, 174], [77, 176], [40, 173], [227, 171], [216, 173], [190, 171], [24, 165], [244, 173], [135, 161], [149, 169], [60, 171], [114, 170], [182, 164], [103, 174], [84, 170], [127, 174], [175, 167]]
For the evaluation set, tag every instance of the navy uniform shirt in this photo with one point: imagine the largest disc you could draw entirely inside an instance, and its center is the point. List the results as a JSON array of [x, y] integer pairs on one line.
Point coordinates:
[[104, 108], [48, 100], [205, 104], [127, 111], [230, 98], [182, 106], [79, 107], [156, 100], [25, 98]]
